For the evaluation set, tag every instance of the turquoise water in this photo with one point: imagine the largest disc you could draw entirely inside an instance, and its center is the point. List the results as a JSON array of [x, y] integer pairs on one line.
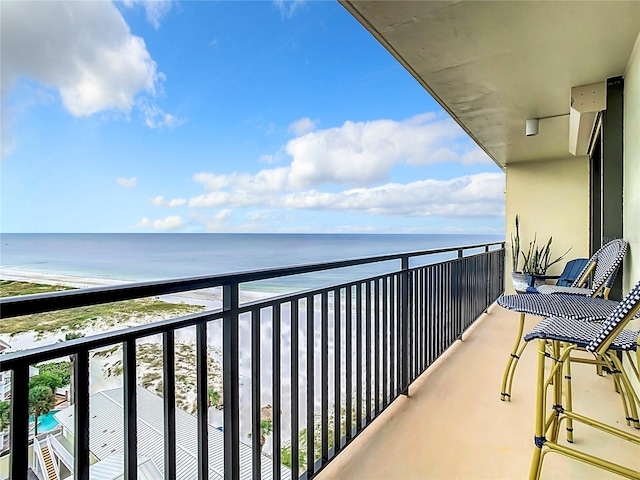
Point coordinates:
[[46, 422]]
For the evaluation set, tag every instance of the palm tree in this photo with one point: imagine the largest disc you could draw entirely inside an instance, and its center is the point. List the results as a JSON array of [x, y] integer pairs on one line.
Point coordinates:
[[41, 401]]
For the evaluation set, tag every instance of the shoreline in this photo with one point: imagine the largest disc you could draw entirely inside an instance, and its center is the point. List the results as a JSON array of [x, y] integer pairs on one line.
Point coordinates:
[[209, 298], [101, 380]]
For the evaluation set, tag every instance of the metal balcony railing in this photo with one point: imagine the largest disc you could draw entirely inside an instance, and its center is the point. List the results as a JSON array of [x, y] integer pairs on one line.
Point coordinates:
[[354, 348]]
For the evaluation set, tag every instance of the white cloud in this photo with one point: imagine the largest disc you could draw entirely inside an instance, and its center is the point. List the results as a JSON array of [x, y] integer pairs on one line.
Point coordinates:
[[86, 52], [302, 126], [159, 201], [223, 215], [355, 154], [288, 7], [480, 194], [172, 222], [271, 180], [127, 182], [156, 10], [474, 195], [362, 153], [154, 117]]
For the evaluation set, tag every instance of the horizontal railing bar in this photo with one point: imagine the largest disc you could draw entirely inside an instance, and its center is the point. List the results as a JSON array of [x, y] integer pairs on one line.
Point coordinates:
[[46, 302], [50, 352], [287, 297], [56, 350]]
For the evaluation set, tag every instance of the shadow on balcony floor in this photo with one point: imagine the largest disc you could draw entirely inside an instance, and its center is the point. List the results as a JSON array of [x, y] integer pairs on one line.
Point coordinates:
[[454, 425]]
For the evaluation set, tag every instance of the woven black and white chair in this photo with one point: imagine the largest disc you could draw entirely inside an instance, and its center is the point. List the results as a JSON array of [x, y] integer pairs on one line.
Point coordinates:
[[605, 341], [603, 267], [577, 307]]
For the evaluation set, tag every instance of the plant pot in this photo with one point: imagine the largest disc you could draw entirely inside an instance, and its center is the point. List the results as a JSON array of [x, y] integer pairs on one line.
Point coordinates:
[[521, 281]]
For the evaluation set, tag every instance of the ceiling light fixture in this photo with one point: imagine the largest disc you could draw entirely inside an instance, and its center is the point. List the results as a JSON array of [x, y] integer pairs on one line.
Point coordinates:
[[532, 125]]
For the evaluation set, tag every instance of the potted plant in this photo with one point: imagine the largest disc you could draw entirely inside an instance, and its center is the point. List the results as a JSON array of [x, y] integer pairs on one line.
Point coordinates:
[[536, 261]]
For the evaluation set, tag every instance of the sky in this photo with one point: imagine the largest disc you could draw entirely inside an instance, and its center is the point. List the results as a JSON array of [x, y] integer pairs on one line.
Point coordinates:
[[194, 117]]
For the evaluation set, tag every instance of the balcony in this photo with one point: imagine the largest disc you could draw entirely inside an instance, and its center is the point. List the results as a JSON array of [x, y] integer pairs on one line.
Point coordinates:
[[427, 328], [453, 424]]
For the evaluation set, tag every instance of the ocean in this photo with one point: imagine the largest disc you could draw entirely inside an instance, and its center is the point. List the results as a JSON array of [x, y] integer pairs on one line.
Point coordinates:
[[148, 257]]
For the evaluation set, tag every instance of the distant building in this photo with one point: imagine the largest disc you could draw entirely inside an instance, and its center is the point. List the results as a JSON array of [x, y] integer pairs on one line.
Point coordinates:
[[5, 377], [106, 442]]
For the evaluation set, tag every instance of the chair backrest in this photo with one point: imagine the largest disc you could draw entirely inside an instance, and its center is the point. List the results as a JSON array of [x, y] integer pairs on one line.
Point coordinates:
[[572, 271], [604, 264], [613, 325]]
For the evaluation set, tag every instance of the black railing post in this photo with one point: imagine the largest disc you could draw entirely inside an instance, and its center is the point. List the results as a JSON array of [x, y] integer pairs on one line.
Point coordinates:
[[130, 410], [404, 325], [231, 375], [256, 417], [169, 391], [81, 415], [19, 439], [202, 401]]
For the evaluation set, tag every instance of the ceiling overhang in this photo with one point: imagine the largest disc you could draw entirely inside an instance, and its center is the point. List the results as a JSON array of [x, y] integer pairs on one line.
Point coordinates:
[[493, 65]]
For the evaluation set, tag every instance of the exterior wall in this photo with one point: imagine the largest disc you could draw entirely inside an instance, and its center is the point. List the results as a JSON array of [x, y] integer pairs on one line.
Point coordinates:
[[551, 199], [631, 200]]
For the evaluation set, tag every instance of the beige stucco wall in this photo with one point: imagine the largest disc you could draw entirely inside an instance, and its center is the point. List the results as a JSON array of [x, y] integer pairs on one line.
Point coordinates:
[[551, 199], [631, 209]]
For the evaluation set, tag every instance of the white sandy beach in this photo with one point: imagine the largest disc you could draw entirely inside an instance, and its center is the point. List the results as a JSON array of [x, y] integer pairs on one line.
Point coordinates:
[[210, 299]]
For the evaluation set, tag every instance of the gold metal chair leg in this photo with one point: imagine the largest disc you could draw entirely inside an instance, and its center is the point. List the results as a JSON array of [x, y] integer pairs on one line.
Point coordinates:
[[568, 396], [632, 415], [539, 436], [634, 368], [556, 375], [514, 356]]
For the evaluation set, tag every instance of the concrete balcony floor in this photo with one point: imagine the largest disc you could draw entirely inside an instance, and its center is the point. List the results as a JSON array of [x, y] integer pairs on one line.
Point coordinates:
[[453, 424]]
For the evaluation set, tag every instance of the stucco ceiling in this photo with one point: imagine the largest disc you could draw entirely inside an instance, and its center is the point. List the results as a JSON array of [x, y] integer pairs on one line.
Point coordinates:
[[493, 65]]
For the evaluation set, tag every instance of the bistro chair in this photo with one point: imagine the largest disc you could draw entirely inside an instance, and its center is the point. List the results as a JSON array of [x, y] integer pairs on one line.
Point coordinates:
[[605, 341], [603, 265]]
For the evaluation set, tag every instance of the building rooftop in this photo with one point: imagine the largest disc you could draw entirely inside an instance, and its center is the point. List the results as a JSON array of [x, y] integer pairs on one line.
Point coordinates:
[[106, 432], [453, 424]]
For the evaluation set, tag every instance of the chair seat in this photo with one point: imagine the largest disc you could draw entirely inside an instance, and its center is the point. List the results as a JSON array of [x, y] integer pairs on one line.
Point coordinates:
[[580, 333], [560, 305], [548, 289]]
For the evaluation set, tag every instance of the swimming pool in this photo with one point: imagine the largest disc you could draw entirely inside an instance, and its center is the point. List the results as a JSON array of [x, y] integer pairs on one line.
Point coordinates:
[[46, 422]]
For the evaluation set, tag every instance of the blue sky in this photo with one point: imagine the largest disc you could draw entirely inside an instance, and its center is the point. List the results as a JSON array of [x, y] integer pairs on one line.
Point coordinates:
[[225, 117]]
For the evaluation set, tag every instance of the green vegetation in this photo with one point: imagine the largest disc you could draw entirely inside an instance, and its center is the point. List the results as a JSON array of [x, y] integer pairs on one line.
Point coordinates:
[[9, 288], [61, 369], [104, 316], [214, 397], [5, 410], [266, 427], [71, 336], [285, 451], [47, 379], [41, 401]]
